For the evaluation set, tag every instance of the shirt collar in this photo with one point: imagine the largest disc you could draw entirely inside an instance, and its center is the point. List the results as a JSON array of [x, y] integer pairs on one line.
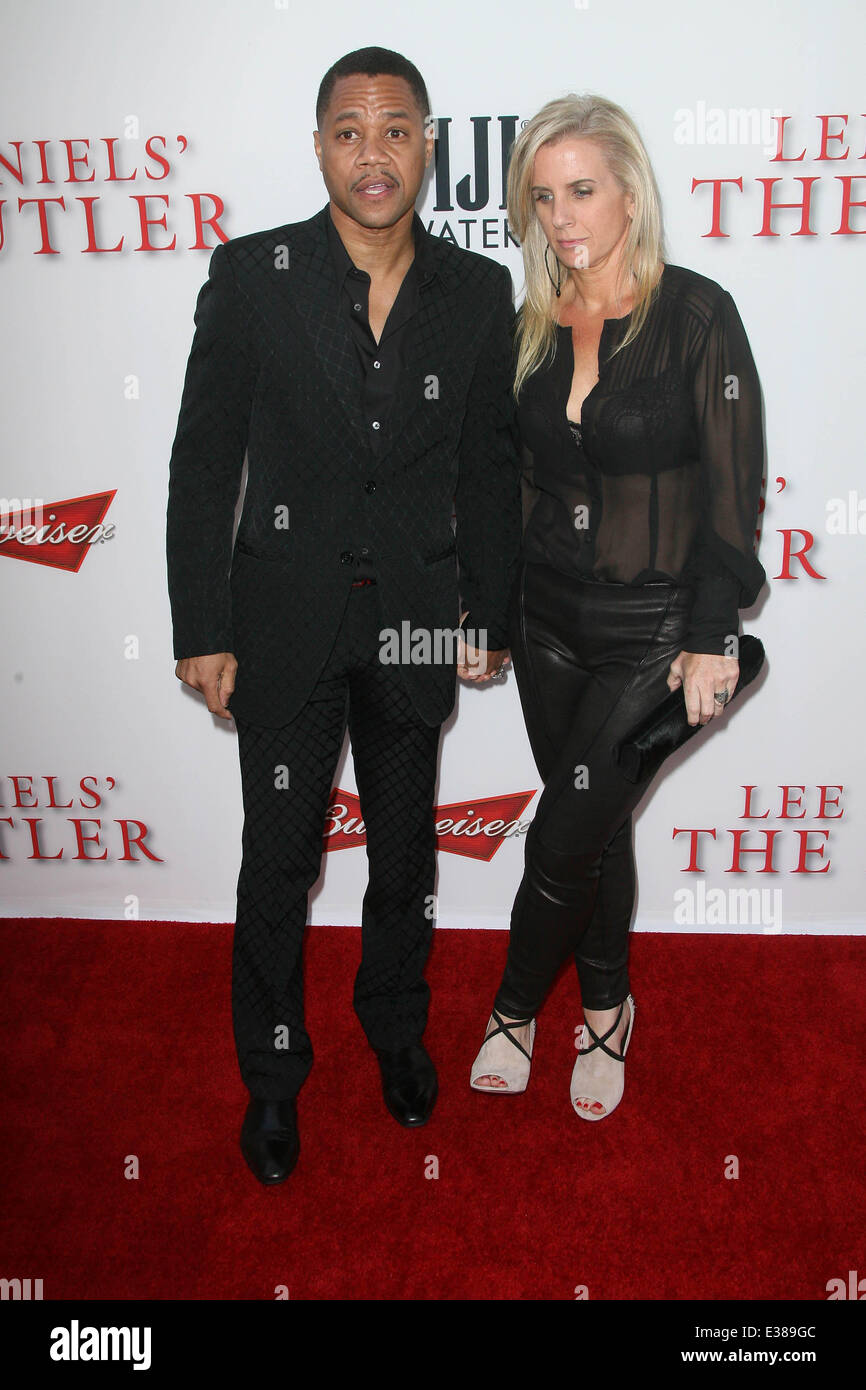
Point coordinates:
[[343, 263]]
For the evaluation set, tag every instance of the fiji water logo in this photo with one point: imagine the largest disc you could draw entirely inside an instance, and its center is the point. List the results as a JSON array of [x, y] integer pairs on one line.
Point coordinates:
[[470, 174]]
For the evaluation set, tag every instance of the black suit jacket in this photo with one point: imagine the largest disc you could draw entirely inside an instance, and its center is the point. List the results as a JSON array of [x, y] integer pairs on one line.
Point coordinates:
[[273, 373]]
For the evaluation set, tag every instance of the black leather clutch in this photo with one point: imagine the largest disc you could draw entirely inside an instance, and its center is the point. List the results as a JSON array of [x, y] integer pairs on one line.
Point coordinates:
[[642, 752]]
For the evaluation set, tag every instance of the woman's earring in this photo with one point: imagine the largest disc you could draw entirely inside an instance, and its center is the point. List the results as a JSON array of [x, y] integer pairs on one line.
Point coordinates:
[[558, 281]]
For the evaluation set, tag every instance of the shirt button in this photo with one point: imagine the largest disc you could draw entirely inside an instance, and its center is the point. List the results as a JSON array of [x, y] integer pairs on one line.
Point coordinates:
[[357, 308], [347, 557], [377, 364], [376, 424], [370, 486]]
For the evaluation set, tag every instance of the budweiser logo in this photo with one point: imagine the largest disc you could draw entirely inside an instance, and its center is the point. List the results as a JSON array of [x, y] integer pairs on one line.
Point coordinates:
[[473, 828], [58, 534]]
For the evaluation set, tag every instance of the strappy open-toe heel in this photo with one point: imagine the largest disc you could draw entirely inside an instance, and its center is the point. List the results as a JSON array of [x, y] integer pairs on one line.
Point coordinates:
[[607, 1091], [498, 1058]]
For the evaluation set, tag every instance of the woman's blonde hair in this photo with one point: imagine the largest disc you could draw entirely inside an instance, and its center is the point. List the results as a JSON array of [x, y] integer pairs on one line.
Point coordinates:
[[612, 129]]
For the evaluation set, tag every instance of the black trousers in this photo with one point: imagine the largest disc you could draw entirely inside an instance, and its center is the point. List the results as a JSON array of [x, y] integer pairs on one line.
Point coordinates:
[[287, 775], [590, 660]]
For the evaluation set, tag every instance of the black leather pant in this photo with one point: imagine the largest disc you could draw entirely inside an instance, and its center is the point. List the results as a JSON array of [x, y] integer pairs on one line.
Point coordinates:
[[590, 660]]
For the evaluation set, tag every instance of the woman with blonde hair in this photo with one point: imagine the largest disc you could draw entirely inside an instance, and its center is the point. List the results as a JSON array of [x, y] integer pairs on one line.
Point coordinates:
[[640, 415]]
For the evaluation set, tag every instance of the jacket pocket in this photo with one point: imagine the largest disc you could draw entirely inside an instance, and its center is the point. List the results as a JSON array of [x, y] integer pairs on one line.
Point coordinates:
[[440, 555], [241, 548]]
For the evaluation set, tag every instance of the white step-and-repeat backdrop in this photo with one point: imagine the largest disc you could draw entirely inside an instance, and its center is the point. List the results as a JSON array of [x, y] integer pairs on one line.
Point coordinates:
[[133, 136]]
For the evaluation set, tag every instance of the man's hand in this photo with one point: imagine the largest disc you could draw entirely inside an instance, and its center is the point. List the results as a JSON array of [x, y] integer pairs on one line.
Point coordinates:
[[702, 677], [213, 675], [474, 664]]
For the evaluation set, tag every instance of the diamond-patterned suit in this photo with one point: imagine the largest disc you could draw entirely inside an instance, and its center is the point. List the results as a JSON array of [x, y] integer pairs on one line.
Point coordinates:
[[273, 373]]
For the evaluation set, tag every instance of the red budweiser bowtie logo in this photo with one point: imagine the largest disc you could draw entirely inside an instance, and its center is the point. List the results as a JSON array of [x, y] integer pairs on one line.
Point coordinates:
[[58, 534], [473, 828]]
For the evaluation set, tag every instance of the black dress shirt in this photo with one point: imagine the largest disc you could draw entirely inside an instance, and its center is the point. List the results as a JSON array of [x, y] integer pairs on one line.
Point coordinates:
[[379, 364], [660, 479]]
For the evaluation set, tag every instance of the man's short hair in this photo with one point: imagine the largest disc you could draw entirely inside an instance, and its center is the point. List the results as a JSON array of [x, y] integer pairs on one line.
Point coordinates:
[[371, 62]]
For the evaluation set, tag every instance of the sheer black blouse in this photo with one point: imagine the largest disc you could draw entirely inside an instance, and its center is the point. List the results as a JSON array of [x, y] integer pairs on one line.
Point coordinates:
[[660, 479]]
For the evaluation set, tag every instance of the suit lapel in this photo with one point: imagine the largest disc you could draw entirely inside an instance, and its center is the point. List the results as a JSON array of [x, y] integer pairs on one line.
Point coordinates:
[[308, 290], [308, 287], [424, 345], [420, 360]]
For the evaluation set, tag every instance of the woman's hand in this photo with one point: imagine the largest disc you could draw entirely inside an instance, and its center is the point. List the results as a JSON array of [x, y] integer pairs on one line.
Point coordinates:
[[702, 676], [479, 666]]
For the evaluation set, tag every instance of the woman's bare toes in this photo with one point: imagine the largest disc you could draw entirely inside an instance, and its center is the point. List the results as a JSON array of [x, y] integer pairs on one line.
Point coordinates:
[[584, 1103]]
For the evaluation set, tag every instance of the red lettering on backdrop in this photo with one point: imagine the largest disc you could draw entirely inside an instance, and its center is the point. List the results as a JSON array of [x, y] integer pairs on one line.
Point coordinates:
[[81, 839], [716, 228], [845, 228], [132, 840], [201, 221], [112, 176], [21, 790], [826, 801], [793, 805], [830, 146], [789, 800], [88, 786], [75, 160], [46, 249], [827, 135], [58, 805], [142, 200], [739, 849], [91, 838], [805, 849], [789, 553], [693, 867], [33, 823], [161, 160], [748, 813], [804, 204], [91, 229]]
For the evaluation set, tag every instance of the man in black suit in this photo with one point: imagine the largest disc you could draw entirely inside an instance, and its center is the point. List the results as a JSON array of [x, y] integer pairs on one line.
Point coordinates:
[[364, 367]]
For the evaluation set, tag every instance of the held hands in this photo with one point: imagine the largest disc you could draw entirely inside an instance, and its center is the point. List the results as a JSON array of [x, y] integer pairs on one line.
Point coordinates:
[[474, 665], [702, 677], [213, 675]]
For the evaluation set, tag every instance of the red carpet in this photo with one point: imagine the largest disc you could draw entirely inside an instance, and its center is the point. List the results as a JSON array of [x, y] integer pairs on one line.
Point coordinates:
[[117, 1041]]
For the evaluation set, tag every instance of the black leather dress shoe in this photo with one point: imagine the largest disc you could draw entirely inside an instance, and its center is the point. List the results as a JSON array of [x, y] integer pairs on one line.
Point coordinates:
[[409, 1084], [269, 1139]]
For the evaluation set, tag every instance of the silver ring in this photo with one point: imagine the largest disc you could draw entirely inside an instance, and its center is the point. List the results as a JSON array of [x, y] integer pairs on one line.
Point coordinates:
[[494, 675], [721, 697]]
